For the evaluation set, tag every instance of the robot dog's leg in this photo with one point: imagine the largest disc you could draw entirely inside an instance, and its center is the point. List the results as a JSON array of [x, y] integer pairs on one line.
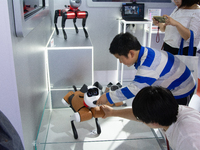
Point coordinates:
[[56, 15], [65, 103], [67, 15], [83, 15], [98, 126], [74, 21], [74, 130], [97, 112], [85, 31], [75, 117], [64, 17]]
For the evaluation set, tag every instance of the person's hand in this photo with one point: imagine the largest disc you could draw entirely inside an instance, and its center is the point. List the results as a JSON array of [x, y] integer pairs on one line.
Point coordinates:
[[155, 22], [160, 25], [102, 100], [170, 21], [107, 110]]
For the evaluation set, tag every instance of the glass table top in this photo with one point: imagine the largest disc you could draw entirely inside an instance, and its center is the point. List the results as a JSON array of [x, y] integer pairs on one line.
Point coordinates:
[[55, 133]]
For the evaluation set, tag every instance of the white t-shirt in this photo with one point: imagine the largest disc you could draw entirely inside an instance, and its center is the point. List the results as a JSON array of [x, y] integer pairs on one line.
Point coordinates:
[[184, 134], [189, 18]]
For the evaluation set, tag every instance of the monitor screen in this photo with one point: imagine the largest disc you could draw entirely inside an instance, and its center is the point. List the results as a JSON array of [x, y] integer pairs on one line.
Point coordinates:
[[131, 10], [134, 10]]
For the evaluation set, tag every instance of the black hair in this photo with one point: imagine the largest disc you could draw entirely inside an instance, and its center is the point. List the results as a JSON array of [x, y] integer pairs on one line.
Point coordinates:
[[154, 104], [123, 43], [189, 3]]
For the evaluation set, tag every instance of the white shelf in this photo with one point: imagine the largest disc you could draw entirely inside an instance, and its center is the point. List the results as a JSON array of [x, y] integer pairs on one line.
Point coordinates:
[[146, 24]]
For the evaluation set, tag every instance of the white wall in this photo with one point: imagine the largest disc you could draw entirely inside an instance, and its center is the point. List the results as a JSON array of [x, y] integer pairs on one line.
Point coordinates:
[[9, 102], [23, 89]]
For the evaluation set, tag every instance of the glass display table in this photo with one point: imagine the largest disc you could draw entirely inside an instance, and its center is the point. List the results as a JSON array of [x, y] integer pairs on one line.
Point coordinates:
[[55, 133]]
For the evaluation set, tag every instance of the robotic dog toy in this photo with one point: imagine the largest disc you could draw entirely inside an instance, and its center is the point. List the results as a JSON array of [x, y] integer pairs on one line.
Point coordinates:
[[71, 12], [113, 87], [83, 103]]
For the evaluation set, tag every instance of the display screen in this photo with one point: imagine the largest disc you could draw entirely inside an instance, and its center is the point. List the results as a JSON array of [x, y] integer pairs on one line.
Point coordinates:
[[132, 10]]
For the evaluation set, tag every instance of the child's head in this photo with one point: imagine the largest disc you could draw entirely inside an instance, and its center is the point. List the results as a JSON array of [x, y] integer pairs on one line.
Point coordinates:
[[155, 105], [123, 43]]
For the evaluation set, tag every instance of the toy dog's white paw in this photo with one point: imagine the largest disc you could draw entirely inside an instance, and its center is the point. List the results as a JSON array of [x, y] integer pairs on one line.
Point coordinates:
[[76, 117], [65, 103]]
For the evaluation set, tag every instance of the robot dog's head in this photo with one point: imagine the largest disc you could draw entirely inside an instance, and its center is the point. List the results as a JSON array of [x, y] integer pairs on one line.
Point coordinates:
[[75, 3], [92, 95]]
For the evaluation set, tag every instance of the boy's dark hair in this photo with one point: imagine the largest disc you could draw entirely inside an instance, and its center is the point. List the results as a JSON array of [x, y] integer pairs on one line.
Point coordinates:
[[155, 104], [189, 3], [123, 43]]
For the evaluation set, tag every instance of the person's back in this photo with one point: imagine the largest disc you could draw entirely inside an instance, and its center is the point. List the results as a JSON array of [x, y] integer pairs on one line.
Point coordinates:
[[154, 68], [158, 68], [156, 107], [184, 134], [166, 70]]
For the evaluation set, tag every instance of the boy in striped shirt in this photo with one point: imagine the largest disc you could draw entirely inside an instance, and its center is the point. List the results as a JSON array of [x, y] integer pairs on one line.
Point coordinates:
[[154, 68]]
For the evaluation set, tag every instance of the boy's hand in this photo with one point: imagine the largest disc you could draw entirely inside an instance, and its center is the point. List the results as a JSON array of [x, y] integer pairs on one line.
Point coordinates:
[[107, 110], [102, 100]]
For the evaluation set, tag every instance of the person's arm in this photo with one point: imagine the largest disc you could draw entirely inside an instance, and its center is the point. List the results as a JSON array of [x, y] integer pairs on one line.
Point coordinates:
[[183, 31], [126, 113], [102, 100]]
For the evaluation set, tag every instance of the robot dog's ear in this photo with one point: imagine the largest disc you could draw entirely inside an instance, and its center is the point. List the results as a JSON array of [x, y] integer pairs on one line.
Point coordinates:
[[84, 88], [98, 85], [119, 85], [109, 84]]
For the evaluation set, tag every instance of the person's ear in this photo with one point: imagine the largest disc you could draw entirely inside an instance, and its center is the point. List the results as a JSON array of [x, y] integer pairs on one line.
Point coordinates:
[[132, 53]]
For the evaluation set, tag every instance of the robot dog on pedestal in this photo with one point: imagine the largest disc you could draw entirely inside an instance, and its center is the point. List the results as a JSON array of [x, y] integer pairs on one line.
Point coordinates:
[[83, 103], [71, 12]]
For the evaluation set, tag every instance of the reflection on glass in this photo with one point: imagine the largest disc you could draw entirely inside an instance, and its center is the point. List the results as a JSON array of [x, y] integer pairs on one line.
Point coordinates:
[[29, 5], [32, 6]]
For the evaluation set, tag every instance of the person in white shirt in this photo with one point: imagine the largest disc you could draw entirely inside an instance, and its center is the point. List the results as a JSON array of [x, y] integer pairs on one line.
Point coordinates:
[[157, 108], [185, 17]]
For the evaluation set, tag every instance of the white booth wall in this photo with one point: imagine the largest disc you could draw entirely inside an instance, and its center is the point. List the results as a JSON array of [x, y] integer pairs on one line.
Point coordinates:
[[23, 87]]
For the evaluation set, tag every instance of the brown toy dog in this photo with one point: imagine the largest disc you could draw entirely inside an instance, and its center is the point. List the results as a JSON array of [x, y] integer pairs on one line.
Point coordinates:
[[83, 104]]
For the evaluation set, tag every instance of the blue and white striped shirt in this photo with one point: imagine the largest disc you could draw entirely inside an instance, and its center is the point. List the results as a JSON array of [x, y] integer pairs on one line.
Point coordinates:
[[157, 68]]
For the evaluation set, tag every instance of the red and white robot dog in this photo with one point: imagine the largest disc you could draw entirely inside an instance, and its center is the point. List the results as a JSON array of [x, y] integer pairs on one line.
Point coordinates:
[[71, 12]]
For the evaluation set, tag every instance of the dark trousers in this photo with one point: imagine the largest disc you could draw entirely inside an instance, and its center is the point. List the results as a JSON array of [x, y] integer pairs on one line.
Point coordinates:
[[174, 51], [185, 100]]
